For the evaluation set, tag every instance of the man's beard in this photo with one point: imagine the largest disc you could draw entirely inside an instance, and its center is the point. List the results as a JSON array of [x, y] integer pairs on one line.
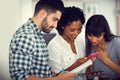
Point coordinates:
[[44, 26]]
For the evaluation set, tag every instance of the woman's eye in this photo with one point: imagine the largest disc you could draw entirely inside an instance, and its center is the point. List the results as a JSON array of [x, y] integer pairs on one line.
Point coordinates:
[[98, 36]]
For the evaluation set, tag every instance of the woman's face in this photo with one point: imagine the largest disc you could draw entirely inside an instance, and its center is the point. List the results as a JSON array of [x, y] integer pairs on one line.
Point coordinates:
[[72, 30], [95, 40]]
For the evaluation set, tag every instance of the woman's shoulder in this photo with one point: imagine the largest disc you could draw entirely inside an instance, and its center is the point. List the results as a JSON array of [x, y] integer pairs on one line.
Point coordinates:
[[116, 39], [56, 41], [53, 41]]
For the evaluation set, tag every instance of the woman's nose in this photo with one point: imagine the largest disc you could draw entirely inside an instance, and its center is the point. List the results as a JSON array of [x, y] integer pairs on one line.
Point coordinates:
[[94, 40], [76, 32]]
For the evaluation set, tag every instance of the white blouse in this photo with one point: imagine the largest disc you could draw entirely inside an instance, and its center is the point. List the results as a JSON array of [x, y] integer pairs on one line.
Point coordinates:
[[61, 55]]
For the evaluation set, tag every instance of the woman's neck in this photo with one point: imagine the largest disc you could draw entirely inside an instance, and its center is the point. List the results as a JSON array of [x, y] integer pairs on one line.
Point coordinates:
[[68, 40], [71, 43]]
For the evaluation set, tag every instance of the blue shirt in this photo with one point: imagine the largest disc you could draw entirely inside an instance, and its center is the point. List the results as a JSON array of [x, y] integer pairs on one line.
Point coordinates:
[[28, 53], [114, 55]]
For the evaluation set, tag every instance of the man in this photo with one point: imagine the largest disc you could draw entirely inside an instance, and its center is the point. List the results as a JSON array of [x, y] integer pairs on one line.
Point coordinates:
[[28, 55]]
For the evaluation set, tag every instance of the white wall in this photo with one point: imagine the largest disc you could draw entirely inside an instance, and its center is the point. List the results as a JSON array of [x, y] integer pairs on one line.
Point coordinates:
[[105, 7], [10, 20], [26, 10], [15, 12]]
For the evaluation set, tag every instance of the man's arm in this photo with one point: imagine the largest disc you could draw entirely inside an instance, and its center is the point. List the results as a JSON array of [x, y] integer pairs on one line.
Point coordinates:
[[61, 76], [19, 57]]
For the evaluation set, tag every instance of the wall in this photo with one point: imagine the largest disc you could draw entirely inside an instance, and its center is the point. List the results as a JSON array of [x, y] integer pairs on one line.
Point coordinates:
[[105, 7], [10, 20], [15, 12]]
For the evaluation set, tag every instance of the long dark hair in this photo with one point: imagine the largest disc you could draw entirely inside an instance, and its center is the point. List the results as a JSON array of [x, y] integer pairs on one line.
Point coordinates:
[[96, 25]]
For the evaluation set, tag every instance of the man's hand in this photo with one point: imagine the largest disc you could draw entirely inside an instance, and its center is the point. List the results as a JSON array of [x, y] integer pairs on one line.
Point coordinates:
[[66, 76]]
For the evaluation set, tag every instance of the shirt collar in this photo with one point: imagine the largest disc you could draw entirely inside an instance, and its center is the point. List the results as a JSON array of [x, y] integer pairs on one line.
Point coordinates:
[[34, 26]]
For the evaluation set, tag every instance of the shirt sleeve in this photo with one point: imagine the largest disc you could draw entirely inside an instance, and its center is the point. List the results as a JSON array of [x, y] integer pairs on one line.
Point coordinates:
[[118, 45], [55, 58], [20, 56]]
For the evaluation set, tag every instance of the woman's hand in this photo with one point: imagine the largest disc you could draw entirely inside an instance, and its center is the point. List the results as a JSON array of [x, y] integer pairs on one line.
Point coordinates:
[[79, 62], [82, 60], [91, 73], [102, 49], [103, 55]]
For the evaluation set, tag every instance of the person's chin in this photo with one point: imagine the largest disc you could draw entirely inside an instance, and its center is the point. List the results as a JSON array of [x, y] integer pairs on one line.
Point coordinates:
[[48, 31]]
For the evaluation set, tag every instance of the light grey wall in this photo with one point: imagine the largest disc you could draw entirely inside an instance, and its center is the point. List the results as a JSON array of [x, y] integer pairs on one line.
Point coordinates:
[[10, 19], [15, 12], [105, 7]]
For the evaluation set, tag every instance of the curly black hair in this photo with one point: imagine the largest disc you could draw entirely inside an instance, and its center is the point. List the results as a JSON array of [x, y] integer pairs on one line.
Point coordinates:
[[70, 15]]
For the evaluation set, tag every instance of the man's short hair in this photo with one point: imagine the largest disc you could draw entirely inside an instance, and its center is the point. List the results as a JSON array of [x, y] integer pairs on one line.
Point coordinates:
[[49, 6]]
